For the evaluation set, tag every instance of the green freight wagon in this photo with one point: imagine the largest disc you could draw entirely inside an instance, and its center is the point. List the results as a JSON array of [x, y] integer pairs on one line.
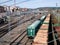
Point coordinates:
[[42, 19], [33, 28]]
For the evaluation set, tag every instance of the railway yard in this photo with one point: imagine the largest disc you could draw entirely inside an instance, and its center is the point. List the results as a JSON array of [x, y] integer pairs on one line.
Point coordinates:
[[32, 29], [29, 22]]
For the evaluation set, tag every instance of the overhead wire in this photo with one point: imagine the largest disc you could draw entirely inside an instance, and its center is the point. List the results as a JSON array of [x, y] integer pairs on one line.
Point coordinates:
[[20, 2], [15, 2], [5, 2]]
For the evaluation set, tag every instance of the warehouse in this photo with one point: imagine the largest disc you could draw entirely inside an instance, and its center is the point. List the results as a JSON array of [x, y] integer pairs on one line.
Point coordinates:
[[2, 9]]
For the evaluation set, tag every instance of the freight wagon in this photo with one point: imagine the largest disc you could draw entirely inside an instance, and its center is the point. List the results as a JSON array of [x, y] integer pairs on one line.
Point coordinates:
[[4, 20], [42, 18], [1, 21], [33, 28]]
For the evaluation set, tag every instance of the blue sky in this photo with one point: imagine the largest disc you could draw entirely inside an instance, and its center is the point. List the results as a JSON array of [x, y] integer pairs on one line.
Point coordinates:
[[33, 3]]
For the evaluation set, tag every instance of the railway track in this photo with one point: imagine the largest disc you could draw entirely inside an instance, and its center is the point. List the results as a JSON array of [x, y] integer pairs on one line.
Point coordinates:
[[4, 30], [13, 22], [20, 38], [13, 41], [2, 24]]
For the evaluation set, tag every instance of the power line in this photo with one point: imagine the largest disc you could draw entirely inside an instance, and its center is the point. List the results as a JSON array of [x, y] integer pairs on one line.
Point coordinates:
[[20, 2], [5, 2], [15, 2]]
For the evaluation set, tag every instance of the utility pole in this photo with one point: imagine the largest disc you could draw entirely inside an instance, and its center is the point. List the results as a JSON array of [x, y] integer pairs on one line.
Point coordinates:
[[57, 12], [56, 6], [9, 18], [14, 5], [14, 2]]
